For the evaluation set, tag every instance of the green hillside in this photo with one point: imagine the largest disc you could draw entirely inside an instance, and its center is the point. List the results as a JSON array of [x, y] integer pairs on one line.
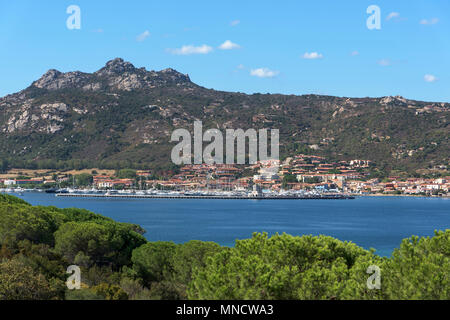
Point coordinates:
[[122, 116]]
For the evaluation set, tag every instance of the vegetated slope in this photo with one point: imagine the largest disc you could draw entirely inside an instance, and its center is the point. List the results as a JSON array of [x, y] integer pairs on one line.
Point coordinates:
[[124, 116]]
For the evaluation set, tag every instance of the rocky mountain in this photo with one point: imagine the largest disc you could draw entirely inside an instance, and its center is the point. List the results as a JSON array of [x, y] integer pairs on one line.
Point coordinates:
[[121, 115]]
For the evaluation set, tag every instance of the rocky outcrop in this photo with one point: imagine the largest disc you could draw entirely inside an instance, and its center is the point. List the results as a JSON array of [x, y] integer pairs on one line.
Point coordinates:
[[115, 67], [46, 118], [54, 80], [117, 74]]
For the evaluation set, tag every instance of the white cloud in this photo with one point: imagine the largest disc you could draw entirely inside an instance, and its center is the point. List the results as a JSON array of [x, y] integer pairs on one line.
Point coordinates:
[[430, 78], [241, 66], [264, 73], [312, 55], [392, 15], [190, 49], [144, 35], [228, 45], [429, 22], [234, 23], [384, 62], [354, 53]]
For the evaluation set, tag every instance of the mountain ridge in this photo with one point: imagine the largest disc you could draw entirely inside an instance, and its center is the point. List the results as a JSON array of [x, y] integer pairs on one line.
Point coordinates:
[[117, 68], [121, 113]]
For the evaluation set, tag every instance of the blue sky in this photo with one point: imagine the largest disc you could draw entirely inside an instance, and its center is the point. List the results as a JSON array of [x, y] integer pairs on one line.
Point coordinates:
[[291, 47]]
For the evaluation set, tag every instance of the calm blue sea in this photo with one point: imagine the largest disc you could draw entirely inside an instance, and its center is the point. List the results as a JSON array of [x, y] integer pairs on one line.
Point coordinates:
[[370, 222]]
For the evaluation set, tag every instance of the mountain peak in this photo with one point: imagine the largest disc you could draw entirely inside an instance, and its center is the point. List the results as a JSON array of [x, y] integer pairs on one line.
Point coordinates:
[[118, 73], [116, 66], [174, 75], [169, 70], [50, 75], [54, 79]]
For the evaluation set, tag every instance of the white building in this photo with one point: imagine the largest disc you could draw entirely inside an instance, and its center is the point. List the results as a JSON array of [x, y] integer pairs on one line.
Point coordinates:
[[9, 182]]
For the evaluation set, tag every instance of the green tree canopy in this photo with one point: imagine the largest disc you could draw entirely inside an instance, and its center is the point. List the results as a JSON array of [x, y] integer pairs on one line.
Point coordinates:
[[154, 261], [84, 179], [103, 243], [280, 267], [419, 269], [20, 282], [126, 174]]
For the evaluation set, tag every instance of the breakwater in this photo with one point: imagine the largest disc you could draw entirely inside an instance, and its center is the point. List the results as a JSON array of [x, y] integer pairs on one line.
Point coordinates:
[[221, 197]]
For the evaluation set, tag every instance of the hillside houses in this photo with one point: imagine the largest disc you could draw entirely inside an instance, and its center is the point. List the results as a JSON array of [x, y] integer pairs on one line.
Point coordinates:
[[299, 172], [106, 182]]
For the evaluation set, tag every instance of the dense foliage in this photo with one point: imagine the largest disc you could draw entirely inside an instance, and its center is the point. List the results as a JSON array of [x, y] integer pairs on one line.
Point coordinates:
[[117, 263]]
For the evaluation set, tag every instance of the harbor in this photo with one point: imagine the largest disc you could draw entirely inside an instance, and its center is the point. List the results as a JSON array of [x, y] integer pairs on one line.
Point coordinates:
[[221, 197]]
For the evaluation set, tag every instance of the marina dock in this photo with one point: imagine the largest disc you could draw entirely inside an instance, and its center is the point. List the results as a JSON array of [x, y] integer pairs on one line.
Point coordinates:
[[220, 197]]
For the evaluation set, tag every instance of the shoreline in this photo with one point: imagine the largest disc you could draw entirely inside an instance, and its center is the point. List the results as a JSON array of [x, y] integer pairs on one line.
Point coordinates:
[[324, 196], [397, 195], [128, 196]]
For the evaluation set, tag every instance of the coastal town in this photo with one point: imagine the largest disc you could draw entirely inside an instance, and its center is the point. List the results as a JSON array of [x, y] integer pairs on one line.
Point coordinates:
[[307, 173]]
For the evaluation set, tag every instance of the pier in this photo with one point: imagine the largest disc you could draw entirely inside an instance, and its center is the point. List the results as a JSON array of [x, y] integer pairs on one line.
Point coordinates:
[[219, 197]]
